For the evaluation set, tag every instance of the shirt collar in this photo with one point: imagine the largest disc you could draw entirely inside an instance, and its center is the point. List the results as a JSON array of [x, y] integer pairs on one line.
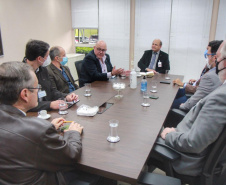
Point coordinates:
[[22, 112], [104, 58], [156, 52]]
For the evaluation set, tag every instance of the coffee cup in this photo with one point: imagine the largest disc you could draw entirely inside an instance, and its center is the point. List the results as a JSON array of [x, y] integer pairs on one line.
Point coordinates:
[[42, 113]]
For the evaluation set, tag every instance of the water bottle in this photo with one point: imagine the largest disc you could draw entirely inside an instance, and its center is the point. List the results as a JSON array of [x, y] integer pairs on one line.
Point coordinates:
[[143, 84], [133, 79]]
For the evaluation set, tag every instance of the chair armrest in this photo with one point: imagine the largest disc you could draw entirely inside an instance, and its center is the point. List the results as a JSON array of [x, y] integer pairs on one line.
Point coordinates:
[[167, 153], [178, 112], [146, 178], [188, 95]]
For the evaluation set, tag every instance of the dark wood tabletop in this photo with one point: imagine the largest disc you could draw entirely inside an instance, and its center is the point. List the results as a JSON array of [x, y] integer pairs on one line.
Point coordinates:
[[138, 127]]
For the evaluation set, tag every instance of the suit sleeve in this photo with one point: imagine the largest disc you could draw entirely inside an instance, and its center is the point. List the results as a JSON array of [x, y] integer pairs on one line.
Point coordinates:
[[205, 87], [57, 152], [51, 77], [43, 105], [165, 63], [142, 64], [91, 69], [205, 128]]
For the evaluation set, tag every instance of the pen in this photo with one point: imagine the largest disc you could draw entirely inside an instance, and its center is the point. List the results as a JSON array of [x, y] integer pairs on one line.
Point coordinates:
[[67, 121]]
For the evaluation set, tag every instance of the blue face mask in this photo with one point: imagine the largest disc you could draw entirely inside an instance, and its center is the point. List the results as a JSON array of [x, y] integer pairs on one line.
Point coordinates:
[[64, 61]]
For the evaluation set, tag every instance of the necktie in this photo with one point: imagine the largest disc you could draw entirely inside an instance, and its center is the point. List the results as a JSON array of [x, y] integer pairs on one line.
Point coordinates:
[[152, 61]]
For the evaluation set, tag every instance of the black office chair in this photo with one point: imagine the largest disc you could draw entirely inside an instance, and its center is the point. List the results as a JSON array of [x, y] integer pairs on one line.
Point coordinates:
[[146, 178], [174, 117], [214, 170], [78, 66]]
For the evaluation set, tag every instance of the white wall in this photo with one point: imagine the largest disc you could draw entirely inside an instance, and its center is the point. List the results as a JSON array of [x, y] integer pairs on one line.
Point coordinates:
[[47, 20], [114, 29]]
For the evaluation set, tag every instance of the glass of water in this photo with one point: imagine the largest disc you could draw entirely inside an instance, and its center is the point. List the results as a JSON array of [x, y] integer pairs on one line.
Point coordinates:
[[154, 87], [63, 108], [87, 89], [113, 134], [145, 99], [167, 75]]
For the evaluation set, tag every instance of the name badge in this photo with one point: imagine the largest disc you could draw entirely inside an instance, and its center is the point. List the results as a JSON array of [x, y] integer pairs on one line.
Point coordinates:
[[159, 64], [41, 94]]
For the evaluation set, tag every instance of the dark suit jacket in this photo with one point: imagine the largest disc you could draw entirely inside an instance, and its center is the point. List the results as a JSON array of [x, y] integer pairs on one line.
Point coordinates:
[[57, 79], [91, 69], [146, 59], [32, 151], [51, 92]]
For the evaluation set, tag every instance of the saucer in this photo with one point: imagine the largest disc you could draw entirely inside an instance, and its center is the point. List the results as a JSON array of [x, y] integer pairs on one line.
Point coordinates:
[[45, 117]]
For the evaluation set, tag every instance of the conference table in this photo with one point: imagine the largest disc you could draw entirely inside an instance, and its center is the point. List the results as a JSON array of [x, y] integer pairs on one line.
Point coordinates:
[[138, 127]]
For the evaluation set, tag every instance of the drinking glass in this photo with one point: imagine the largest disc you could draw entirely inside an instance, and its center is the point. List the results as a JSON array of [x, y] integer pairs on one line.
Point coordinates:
[[118, 86], [113, 134], [154, 87], [87, 89], [145, 99], [63, 108], [167, 75]]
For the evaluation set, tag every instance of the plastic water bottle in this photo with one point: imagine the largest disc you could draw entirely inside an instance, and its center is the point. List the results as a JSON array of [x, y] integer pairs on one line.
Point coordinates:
[[133, 79], [143, 84]]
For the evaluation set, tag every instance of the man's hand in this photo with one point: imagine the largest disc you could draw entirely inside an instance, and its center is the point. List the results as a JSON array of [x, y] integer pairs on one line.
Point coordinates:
[[75, 126], [148, 70], [55, 104], [191, 81], [71, 97], [57, 122], [116, 71], [178, 82], [166, 131]]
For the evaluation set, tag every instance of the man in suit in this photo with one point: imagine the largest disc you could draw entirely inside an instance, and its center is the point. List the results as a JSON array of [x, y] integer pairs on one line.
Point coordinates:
[[207, 83], [193, 84], [97, 65], [154, 60], [59, 74], [32, 150], [35, 55], [200, 127]]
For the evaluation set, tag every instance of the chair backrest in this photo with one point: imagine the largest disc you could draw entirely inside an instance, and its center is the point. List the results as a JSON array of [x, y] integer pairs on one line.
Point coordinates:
[[214, 171], [78, 65]]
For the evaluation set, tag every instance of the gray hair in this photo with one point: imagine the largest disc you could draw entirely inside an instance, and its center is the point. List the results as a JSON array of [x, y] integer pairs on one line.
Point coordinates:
[[223, 50], [14, 77], [54, 51]]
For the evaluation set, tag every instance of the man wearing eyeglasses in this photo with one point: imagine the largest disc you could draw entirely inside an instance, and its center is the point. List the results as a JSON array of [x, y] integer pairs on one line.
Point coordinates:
[[32, 150], [97, 65], [207, 83], [200, 128], [35, 55]]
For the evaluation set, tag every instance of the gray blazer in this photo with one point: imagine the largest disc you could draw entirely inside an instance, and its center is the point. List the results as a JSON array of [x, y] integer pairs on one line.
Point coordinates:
[[209, 82], [200, 127]]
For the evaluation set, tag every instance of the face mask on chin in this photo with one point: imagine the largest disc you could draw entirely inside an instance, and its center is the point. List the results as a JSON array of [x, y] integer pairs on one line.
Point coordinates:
[[217, 64], [64, 61], [207, 63]]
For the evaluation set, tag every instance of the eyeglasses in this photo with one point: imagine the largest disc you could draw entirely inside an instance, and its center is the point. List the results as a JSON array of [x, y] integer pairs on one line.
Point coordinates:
[[39, 87], [206, 54], [103, 50]]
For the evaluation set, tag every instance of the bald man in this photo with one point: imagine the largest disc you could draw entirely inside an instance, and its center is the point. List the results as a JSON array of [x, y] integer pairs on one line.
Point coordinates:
[[59, 74], [97, 65], [154, 60]]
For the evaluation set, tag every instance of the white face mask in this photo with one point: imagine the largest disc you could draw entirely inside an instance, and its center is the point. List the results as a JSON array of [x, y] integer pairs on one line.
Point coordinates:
[[207, 63]]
